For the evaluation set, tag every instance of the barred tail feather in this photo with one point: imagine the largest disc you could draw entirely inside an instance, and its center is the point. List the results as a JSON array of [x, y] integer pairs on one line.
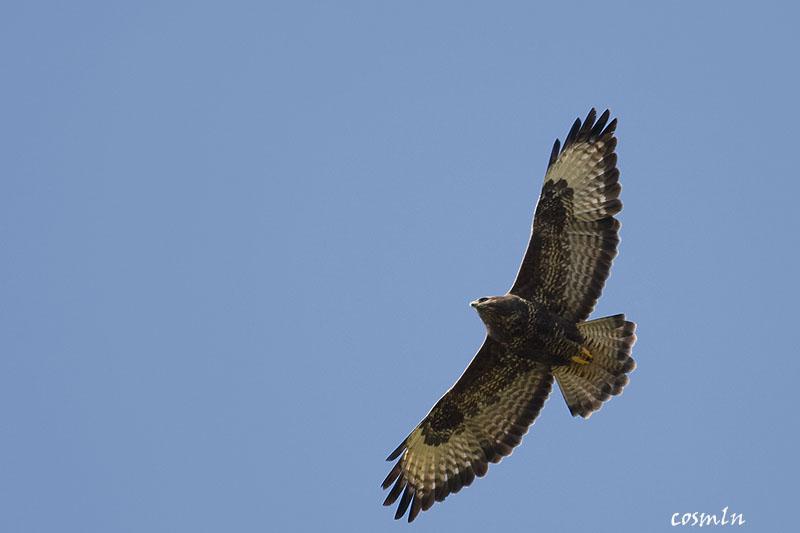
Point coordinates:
[[587, 386]]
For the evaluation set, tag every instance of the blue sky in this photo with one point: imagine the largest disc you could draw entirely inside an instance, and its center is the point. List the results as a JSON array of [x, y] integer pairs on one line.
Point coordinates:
[[239, 241]]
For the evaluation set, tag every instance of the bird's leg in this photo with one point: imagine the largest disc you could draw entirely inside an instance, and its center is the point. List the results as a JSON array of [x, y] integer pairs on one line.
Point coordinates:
[[584, 358]]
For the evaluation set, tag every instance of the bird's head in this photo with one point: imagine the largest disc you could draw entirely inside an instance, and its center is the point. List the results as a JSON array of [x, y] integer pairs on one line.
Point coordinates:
[[504, 316]]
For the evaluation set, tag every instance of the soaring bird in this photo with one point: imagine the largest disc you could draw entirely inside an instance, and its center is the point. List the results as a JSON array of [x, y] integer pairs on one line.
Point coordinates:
[[536, 332]]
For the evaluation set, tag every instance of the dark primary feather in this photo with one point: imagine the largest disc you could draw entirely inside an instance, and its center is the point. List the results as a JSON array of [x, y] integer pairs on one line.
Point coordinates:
[[574, 236], [554, 153], [573, 132]]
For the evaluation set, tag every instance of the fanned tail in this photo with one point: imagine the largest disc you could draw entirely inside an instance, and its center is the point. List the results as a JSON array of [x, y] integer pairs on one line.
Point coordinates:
[[586, 387]]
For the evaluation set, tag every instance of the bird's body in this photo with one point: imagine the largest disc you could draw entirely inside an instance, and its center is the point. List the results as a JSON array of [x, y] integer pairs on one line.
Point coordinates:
[[529, 330], [535, 334]]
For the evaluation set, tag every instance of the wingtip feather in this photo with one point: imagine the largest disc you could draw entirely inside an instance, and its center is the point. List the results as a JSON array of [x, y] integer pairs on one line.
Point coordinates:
[[404, 502], [396, 453]]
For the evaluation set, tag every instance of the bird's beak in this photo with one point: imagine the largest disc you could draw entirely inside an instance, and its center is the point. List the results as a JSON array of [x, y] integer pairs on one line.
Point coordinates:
[[474, 304]]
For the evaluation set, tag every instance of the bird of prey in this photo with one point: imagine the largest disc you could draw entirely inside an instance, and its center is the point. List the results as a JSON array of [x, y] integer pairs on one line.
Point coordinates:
[[535, 333]]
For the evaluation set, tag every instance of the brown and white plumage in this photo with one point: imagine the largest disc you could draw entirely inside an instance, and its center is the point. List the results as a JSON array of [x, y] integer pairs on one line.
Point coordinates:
[[535, 333], [586, 387], [479, 421], [574, 236]]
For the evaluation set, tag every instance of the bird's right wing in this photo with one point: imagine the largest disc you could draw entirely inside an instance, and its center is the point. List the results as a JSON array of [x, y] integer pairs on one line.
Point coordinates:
[[478, 421], [575, 235]]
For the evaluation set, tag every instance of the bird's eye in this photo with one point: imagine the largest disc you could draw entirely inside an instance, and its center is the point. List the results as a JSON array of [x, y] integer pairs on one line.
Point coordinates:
[[481, 300]]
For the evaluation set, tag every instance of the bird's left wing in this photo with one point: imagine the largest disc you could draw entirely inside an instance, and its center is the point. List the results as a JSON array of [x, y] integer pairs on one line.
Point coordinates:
[[478, 421]]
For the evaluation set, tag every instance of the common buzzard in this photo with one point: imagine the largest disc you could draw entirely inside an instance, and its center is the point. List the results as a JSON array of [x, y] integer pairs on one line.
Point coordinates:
[[534, 333]]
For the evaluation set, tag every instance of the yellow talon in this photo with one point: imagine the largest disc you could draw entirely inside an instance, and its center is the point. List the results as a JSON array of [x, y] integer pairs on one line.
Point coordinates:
[[584, 358]]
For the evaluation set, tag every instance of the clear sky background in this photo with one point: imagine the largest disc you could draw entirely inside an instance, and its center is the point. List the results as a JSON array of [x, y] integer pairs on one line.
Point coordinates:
[[239, 240]]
